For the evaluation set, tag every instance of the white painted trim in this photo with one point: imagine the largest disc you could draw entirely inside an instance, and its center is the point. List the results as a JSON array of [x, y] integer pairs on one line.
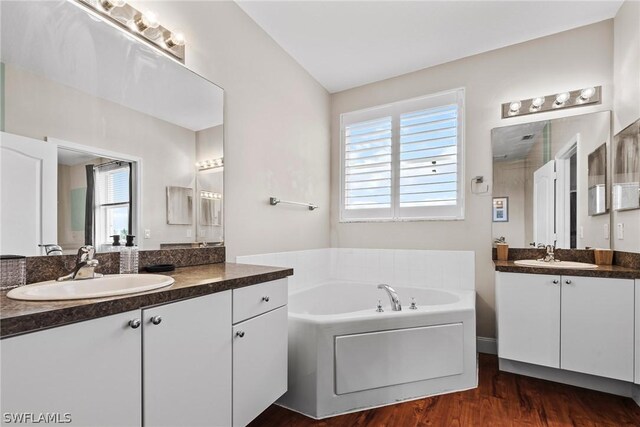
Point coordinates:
[[592, 382], [563, 178], [137, 175], [486, 345]]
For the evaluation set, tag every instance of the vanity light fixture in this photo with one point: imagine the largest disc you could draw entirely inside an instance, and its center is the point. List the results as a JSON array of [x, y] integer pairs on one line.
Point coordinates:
[[144, 25], [570, 99], [107, 5], [210, 164], [211, 196]]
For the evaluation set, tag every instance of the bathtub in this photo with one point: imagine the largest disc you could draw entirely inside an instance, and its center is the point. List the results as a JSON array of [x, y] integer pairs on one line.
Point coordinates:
[[344, 356]]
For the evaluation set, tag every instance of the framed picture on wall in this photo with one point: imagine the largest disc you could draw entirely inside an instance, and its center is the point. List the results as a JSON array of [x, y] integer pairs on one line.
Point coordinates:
[[500, 209]]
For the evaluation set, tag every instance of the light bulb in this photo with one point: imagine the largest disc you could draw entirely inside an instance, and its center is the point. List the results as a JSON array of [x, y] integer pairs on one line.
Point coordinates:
[[152, 19], [514, 107], [537, 102], [175, 39], [145, 20], [587, 93], [561, 98], [107, 5]]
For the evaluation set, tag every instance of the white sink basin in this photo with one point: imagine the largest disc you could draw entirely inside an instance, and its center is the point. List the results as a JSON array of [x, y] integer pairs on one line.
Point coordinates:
[[556, 264], [106, 286]]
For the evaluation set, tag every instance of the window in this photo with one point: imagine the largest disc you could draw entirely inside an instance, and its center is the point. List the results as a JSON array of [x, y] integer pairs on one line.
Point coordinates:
[[113, 201], [403, 161]]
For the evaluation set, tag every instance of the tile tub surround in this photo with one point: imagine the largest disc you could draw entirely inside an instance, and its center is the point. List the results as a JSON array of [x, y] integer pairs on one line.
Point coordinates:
[[396, 267], [18, 317], [42, 268]]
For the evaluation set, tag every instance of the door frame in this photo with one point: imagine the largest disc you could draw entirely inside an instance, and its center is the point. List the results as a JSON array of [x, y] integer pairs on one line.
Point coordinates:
[[136, 174], [563, 185]]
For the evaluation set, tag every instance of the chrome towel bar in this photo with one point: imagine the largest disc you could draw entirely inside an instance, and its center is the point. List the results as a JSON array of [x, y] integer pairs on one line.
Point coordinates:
[[274, 201]]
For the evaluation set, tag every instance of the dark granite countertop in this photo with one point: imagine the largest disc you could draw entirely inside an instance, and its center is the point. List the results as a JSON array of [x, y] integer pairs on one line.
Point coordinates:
[[17, 317], [610, 271]]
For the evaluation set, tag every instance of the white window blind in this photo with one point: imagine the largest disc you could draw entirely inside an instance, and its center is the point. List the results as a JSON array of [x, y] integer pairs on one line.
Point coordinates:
[[112, 201], [403, 161]]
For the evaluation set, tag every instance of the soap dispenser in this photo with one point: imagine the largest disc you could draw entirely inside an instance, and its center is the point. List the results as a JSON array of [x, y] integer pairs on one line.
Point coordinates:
[[115, 246], [129, 257]]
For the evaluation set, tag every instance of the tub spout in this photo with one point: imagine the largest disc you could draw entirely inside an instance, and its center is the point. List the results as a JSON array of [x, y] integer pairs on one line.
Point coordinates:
[[393, 297]]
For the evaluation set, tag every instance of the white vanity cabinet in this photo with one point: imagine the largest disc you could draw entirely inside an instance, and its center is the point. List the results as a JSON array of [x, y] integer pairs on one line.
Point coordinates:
[[528, 312], [260, 343], [89, 370], [186, 360], [579, 324]]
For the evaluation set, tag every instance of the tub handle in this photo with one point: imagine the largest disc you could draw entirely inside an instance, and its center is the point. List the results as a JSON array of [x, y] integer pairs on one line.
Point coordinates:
[[265, 299], [379, 309]]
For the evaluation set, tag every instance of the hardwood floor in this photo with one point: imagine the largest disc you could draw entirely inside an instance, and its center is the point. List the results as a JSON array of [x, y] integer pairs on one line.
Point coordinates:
[[501, 399]]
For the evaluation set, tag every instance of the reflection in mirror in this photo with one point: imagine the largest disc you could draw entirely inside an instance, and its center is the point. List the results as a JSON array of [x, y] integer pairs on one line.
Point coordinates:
[[541, 168], [179, 205], [125, 98], [626, 169], [597, 180]]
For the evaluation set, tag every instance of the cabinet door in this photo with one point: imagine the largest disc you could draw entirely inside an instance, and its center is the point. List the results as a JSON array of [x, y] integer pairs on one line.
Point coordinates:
[[88, 372], [259, 364], [598, 326], [528, 310], [187, 362]]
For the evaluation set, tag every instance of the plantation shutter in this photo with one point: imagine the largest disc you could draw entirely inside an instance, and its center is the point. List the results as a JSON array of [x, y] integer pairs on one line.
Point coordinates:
[[403, 161]]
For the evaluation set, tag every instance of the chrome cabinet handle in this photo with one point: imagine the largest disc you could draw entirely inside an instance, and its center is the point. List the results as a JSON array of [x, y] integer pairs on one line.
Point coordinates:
[[240, 334], [555, 281], [135, 323], [265, 299], [156, 320], [568, 282]]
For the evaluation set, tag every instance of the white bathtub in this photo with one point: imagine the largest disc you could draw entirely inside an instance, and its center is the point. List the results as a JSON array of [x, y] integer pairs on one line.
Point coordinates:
[[344, 356]]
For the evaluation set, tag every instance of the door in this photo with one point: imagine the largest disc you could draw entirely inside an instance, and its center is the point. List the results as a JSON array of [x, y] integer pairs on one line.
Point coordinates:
[[88, 372], [28, 194], [544, 204], [598, 326], [259, 364], [186, 349], [528, 310]]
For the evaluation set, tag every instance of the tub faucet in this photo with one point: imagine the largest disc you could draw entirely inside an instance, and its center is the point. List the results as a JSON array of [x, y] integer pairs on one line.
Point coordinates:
[[85, 265], [393, 297]]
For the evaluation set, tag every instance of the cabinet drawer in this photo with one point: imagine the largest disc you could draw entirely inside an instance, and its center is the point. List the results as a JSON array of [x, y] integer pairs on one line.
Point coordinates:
[[253, 300]]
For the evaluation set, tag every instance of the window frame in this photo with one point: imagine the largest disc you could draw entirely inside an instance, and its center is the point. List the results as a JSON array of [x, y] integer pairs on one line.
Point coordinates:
[[101, 233], [395, 213]]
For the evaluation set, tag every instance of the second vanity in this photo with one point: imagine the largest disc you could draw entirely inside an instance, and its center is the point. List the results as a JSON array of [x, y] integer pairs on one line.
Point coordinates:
[[572, 326], [209, 350]]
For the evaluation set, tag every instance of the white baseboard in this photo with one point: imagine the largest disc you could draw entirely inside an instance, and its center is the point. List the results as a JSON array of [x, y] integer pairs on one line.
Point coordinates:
[[486, 345]]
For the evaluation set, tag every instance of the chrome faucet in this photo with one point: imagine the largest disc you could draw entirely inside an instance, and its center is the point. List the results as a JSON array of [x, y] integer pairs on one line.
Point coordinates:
[[85, 265], [550, 256], [393, 297]]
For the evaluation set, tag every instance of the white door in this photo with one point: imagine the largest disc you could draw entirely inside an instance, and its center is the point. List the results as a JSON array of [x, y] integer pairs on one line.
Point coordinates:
[[28, 194], [259, 364], [528, 310], [598, 326], [544, 204], [187, 362], [89, 370]]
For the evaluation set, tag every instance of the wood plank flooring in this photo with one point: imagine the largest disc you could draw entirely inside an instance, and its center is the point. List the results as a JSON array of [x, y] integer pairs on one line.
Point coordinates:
[[501, 399]]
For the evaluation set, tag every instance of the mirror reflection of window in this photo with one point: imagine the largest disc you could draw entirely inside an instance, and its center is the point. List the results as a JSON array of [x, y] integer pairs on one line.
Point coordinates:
[[112, 201]]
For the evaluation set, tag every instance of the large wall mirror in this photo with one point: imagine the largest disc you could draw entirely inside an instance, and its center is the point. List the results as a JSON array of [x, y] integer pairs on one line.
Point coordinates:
[[551, 182], [96, 127]]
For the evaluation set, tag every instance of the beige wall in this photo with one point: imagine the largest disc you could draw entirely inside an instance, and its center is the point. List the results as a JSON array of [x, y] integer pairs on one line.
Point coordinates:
[[276, 128], [574, 59], [626, 75], [37, 107]]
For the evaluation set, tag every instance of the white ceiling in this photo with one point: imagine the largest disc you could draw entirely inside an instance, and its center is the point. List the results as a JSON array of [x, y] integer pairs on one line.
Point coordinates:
[[344, 44], [64, 43]]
